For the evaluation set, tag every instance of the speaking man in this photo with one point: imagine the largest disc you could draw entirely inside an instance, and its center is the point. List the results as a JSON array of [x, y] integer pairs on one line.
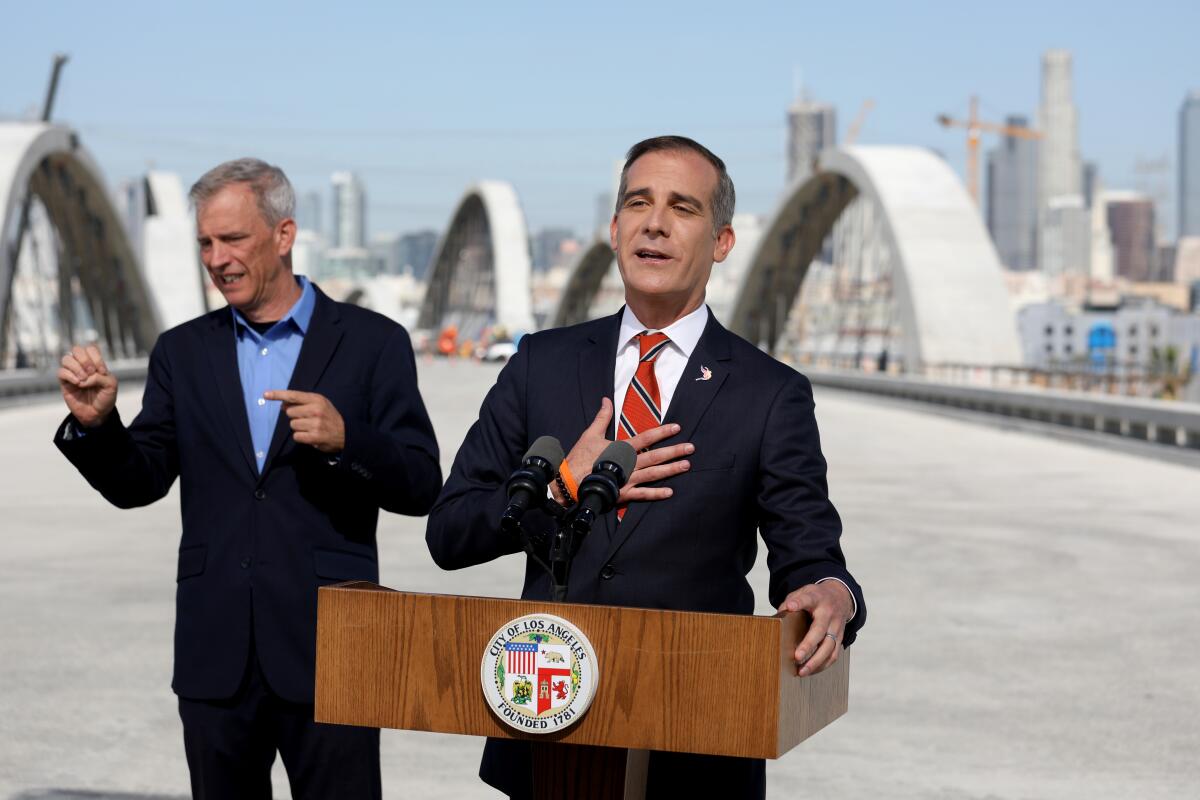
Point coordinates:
[[290, 420], [728, 449]]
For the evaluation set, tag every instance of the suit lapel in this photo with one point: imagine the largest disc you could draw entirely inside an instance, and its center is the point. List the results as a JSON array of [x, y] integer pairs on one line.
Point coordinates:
[[597, 358], [324, 333], [222, 357], [691, 400]]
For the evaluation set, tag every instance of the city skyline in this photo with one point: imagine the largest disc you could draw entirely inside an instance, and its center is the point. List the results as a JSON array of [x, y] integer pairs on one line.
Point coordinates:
[[468, 99]]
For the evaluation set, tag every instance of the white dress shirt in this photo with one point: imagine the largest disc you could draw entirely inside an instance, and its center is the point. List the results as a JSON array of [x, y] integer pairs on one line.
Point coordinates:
[[668, 367], [684, 333]]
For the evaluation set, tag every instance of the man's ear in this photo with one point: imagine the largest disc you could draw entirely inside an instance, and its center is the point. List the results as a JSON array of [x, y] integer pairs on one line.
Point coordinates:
[[612, 233], [285, 236], [724, 243]]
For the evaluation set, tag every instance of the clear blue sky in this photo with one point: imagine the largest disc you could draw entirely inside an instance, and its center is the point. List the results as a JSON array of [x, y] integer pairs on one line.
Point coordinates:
[[423, 100]]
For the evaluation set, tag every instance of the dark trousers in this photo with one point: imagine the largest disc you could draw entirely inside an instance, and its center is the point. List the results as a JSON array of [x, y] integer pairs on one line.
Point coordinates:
[[508, 766], [231, 746]]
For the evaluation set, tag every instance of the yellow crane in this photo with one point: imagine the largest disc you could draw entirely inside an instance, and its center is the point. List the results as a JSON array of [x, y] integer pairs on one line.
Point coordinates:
[[975, 128]]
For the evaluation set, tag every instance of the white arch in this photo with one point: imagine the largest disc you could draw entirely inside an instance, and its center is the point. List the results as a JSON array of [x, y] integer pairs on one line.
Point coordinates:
[[48, 161], [583, 283], [169, 254], [488, 216], [948, 287]]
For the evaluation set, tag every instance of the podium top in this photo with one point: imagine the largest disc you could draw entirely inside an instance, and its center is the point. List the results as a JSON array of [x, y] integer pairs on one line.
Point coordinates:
[[720, 684]]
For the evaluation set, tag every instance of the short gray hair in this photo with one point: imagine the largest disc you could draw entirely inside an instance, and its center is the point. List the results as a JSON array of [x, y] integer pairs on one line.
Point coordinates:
[[272, 190], [724, 198]]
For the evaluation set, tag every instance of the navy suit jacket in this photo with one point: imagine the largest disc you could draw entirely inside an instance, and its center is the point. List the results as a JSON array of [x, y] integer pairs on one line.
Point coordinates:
[[757, 469], [255, 547]]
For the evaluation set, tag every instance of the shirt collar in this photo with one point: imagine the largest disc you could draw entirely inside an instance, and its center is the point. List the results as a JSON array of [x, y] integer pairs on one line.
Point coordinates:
[[300, 313], [684, 332]]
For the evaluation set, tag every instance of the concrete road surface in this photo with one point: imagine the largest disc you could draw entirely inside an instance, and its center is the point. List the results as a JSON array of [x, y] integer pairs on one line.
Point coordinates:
[[1033, 627]]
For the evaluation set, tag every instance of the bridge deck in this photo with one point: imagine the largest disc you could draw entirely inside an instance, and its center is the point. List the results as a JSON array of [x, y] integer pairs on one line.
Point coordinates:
[[1032, 623]]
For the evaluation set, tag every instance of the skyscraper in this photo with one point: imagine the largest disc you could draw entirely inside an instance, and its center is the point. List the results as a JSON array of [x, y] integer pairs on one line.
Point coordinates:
[[1060, 175], [812, 127], [308, 211], [1131, 224], [349, 211], [549, 246], [1059, 169], [1012, 210], [416, 251], [1189, 166], [1065, 244]]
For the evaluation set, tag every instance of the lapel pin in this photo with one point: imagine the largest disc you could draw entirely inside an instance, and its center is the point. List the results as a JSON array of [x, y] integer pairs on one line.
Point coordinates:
[[705, 374]]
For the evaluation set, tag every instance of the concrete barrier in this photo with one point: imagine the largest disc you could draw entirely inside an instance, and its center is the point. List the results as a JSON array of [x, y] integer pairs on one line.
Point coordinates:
[[23, 385], [1162, 422]]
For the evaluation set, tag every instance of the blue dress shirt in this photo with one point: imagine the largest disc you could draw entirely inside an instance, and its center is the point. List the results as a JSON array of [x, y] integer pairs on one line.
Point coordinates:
[[266, 361]]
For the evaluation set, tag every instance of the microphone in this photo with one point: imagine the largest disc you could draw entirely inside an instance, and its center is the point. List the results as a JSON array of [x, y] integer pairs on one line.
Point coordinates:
[[527, 486], [598, 491]]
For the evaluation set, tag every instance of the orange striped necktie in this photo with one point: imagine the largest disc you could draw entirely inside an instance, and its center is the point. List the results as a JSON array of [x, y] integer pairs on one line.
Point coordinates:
[[642, 409]]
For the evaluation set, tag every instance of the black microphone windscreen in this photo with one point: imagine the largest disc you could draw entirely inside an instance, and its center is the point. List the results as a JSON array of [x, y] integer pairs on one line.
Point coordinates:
[[623, 455], [546, 447]]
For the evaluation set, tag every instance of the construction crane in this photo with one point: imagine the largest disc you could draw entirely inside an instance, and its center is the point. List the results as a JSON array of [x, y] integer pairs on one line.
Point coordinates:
[[856, 126], [975, 128]]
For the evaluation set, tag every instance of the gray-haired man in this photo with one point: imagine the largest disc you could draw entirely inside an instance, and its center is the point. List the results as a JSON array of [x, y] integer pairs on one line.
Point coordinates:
[[290, 420]]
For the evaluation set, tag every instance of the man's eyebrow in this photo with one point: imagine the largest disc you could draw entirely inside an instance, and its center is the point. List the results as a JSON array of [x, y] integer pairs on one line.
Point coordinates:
[[676, 197]]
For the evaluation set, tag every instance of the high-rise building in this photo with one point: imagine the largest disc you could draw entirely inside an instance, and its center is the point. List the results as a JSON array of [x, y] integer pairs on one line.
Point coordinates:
[[1100, 256], [385, 254], [1189, 166], [416, 252], [1060, 174], [349, 211], [308, 211], [1012, 210], [1164, 262], [1091, 182], [548, 247], [1065, 243], [812, 127], [1131, 224], [1059, 168], [604, 213]]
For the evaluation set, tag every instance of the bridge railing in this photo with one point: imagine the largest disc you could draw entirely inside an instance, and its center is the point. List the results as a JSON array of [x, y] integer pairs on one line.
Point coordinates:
[[23, 385], [1168, 423], [1131, 379]]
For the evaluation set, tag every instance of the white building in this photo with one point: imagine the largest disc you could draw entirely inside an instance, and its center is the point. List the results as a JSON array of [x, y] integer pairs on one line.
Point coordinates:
[[1066, 236], [349, 228], [1060, 173]]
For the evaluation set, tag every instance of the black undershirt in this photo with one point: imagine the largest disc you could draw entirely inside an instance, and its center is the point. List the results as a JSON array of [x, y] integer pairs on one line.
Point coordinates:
[[261, 327]]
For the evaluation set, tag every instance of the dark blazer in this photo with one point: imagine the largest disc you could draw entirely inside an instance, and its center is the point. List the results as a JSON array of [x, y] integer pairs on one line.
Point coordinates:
[[757, 469], [256, 547]]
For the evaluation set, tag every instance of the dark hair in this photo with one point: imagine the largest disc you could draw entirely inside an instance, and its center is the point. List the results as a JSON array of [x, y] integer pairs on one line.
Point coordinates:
[[723, 199]]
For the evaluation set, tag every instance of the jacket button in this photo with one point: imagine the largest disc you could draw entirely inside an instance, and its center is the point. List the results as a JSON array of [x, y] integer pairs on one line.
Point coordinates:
[[260, 494], [245, 563], [607, 572]]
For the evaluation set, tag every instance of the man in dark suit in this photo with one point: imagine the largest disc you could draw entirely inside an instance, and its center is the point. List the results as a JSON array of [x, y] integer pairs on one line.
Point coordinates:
[[736, 453], [273, 504]]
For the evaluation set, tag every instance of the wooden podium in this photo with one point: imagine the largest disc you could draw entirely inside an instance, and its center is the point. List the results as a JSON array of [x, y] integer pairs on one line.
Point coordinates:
[[719, 684]]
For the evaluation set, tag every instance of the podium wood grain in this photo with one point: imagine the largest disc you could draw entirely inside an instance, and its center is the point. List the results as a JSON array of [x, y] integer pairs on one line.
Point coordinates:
[[720, 684]]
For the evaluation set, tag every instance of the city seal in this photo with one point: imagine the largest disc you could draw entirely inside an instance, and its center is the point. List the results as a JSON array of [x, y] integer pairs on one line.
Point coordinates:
[[539, 673]]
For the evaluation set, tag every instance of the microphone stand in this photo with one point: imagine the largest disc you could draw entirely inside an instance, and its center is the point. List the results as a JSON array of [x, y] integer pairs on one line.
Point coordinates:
[[562, 546], [562, 552], [534, 544]]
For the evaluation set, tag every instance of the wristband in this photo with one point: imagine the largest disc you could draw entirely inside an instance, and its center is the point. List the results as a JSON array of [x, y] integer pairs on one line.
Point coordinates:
[[566, 482]]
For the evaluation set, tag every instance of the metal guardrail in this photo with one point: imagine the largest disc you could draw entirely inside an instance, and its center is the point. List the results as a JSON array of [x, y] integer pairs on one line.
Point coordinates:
[[19, 385], [1166, 423]]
